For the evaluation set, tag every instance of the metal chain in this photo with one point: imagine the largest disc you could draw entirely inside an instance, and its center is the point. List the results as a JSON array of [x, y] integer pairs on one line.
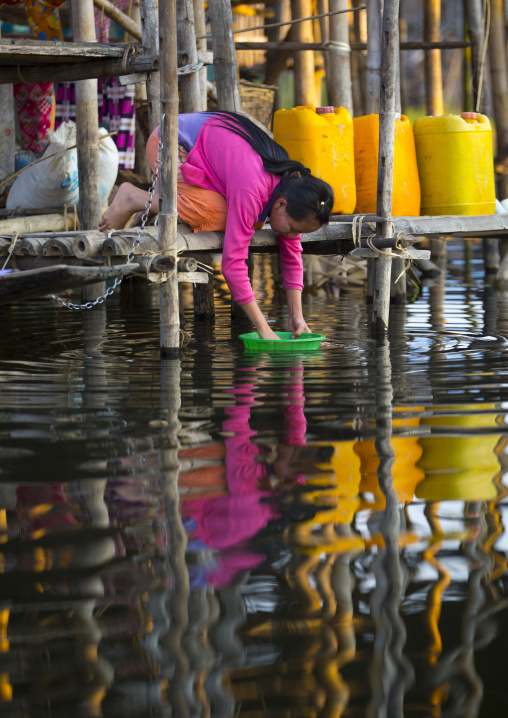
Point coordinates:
[[135, 244]]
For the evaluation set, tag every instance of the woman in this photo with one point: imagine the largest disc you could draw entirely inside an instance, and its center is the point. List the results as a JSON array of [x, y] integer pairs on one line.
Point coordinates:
[[233, 178]]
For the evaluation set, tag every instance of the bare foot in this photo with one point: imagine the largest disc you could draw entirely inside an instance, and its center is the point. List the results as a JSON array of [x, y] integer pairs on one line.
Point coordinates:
[[128, 200]]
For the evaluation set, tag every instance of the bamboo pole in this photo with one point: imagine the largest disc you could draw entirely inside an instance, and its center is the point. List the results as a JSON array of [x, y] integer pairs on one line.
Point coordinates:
[[305, 88], [373, 78], [87, 124], [224, 57], [381, 303], [287, 44], [168, 292], [499, 75], [150, 32], [186, 37], [87, 137], [476, 35], [339, 83], [125, 22], [200, 26], [433, 70], [358, 30]]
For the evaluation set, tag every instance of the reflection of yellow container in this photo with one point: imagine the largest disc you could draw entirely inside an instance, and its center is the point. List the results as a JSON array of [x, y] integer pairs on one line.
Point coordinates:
[[406, 183], [323, 142], [455, 164], [460, 467]]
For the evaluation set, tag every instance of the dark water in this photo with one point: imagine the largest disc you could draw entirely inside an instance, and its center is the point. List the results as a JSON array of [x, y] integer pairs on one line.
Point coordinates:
[[253, 535]]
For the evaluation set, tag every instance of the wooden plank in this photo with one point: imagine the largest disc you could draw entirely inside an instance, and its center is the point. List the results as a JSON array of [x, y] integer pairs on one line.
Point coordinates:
[[37, 282], [414, 253], [19, 52], [336, 238], [84, 70], [194, 277]]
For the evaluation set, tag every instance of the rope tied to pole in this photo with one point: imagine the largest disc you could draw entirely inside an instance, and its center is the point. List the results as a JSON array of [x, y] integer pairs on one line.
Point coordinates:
[[402, 252], [14, 239]]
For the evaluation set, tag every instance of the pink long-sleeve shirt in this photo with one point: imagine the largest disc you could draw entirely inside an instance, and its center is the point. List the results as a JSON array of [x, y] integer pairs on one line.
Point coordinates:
[[224, 162]]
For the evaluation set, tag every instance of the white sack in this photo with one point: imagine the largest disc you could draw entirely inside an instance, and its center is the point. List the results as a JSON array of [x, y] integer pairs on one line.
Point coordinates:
[[54, 182]]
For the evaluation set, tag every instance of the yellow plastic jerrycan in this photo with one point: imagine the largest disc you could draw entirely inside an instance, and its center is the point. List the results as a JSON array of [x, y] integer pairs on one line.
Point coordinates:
[[322, 139], [456, 164], [406, 183]]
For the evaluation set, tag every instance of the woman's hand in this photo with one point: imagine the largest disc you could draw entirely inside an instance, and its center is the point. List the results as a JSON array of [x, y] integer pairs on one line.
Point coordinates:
[[296, 323], [298, 326], [256, 316]]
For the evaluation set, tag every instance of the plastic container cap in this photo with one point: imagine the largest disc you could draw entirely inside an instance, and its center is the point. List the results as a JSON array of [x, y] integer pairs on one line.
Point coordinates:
[[469, 115], [330, 110]]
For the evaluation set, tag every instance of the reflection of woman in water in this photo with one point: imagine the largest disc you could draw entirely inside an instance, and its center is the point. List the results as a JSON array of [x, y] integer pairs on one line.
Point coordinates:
[[253, 472]]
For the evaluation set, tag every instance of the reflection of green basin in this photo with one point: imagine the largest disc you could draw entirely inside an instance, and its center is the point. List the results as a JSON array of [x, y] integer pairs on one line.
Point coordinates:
[[305, 342]]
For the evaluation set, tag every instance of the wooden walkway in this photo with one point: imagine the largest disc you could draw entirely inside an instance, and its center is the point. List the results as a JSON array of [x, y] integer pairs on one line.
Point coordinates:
[[334, 239]]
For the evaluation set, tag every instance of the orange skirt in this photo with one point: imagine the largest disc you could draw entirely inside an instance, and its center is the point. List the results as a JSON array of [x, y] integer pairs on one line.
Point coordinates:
[[202, 209]]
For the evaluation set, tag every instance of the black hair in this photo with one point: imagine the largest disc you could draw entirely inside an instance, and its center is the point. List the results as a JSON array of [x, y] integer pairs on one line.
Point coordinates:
[[305, 194]]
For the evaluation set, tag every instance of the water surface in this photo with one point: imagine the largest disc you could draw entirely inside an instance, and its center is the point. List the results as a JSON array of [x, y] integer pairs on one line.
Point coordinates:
[[234, 534]]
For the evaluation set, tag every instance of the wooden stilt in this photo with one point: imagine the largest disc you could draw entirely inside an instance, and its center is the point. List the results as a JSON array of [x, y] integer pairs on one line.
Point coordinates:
[[381, 305], [200, 30], [204, 306], [499, 75], [358, 61], [475, 32], [87, 136], [150, 33], [340, 91], [186, 34], [433, 71], [305, 88], [168, 293], [224, 57], [226, 71], [141, 166], [373, 76]]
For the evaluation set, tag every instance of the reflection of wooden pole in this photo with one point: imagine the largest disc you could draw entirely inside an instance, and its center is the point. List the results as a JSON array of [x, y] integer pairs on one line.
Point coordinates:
[[390, 670], [179, 594], [381, 303], [433, 72], [168, 292]]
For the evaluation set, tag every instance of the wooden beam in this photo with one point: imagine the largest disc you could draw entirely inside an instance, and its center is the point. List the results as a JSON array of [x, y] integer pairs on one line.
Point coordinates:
[[390, 37], [125, 22], [168, 291], [87, 70]]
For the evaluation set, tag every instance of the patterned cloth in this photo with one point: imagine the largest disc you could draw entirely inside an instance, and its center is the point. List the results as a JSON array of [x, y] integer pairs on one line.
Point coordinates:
[[35, 106], [35, 102], [117, 109]]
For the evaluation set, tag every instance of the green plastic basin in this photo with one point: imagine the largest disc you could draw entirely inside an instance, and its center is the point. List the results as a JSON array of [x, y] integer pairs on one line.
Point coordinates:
[[305, 342]]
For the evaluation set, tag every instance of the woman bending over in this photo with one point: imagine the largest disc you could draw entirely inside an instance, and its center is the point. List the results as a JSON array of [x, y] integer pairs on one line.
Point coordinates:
[[231, 179]]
